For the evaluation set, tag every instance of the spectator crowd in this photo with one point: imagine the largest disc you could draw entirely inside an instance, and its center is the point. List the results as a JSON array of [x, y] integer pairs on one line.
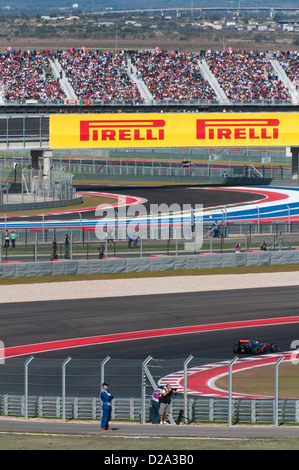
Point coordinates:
[[289, 61], [112, 76], [246, 76], [174, 76], [26, 75], [99, 76]]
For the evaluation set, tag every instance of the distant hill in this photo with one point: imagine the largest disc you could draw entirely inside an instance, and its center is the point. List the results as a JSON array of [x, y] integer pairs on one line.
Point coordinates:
[[42, 6]]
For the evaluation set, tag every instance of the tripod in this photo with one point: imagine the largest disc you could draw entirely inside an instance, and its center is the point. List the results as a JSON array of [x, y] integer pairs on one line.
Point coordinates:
[[182, 417]]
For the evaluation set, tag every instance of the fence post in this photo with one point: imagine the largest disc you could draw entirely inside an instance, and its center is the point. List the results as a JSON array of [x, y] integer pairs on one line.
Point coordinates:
[[43, 218], [26, 385], [35, 248], [103, 363], [230, 390], [276, 391], [63, 386], [80, 216], [143, 388], [185, 387]]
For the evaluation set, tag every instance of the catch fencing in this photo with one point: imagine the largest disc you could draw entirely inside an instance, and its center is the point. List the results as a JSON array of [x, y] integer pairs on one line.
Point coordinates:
[[177, 171], [31, 187], [148, 167], [69, 389], [89, 230], [33, 251]]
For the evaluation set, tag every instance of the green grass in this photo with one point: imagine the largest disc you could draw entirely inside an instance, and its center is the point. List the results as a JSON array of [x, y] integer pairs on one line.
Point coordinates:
[[261, 381], [18, 441]]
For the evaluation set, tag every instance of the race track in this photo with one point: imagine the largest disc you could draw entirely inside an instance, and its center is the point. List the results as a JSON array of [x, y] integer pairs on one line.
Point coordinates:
[[37, 324], [55, 329], [80, 328], [251, 204]]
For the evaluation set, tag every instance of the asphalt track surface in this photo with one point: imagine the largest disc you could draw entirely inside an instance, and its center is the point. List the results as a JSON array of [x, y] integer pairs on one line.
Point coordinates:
[[158, 195], [37, 322], [42, 321], [179, 195]]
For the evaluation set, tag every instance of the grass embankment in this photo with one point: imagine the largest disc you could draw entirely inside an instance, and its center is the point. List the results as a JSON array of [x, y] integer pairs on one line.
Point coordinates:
[[261, 381]]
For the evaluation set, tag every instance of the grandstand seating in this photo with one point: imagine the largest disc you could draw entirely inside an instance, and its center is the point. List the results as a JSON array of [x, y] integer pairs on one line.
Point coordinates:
[[290, 63], [246, 76], [28, 76], [148, 76], [173, 76], [99, 76]]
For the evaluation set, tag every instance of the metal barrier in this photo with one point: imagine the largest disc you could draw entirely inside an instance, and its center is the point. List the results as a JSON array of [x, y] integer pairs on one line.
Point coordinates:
[[149, 167], [203, 409], [175, 170], [35, 374]]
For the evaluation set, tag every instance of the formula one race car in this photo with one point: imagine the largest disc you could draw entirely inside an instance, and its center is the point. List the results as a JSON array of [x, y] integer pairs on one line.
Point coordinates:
[[253, 346]]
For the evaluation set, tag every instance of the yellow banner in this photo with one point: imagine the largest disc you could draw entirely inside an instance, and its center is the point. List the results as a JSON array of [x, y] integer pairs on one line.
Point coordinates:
[[174, 130]]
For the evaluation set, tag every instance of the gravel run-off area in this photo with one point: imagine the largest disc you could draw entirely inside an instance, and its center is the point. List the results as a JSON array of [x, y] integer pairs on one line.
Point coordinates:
[[143, 286]]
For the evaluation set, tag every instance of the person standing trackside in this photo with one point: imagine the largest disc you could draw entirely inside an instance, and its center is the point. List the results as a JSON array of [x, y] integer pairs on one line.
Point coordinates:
[[54, 254], [13, 237], [135, 237], [67, 246], [130, 239], [156, 396], [216, 228], [101, 251], [238, 247], [106, 398], [165, 401], [6, 239]]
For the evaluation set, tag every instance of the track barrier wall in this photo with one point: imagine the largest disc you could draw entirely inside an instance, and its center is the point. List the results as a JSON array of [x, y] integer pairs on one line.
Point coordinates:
[[150, 264], [203, 409]]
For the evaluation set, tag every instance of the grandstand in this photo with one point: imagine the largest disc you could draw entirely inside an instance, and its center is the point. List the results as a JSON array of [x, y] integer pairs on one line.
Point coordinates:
[[35, 84], [148, 78]]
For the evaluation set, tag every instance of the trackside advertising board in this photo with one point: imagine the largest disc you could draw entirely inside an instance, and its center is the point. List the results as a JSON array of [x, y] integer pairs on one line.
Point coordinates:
[[174, 130]]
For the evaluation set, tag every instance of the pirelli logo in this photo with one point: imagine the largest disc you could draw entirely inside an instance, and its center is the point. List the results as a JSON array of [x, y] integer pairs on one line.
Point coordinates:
[[173, 130], [122, 130], [237, 129]]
